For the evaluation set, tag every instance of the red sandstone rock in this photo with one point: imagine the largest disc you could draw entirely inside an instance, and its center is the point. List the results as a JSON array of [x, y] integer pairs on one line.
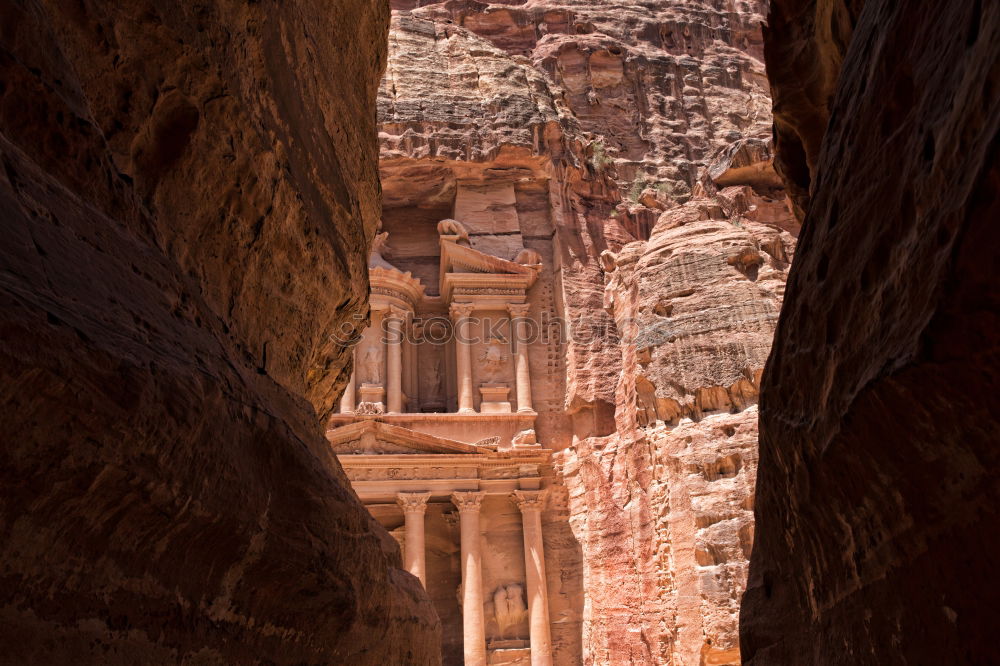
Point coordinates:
[[877, 489], [189, 195]]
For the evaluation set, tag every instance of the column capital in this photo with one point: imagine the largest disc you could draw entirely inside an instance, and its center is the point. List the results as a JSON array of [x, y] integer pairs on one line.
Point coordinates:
[[518, 309], [528, 500], [460, 310], [467, 501], [413, 502]]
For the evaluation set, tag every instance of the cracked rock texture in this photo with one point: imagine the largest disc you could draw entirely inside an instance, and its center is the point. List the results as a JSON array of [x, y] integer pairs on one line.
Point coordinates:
[[630, 146], [188, 194], [877, 487]]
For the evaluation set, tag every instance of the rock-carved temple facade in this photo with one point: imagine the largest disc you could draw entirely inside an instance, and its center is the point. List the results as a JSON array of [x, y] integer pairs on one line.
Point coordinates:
[[436, 432]]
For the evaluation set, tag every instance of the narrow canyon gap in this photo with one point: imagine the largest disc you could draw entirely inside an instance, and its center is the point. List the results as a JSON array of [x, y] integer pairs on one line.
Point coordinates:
[[194, 229], [188, 195]]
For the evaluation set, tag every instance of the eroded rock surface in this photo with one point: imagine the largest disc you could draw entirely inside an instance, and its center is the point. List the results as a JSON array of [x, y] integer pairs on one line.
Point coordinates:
[[669, 497], [189, 193], [879, 421]]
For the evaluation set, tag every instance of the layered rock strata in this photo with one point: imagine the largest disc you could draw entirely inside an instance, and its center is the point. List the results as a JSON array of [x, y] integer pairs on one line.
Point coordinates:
[[189, 193], [630, 148], [878, 408]]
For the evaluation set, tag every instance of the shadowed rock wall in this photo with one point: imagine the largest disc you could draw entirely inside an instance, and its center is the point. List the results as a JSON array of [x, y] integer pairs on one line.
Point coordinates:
[[877, 487], [188, 193]]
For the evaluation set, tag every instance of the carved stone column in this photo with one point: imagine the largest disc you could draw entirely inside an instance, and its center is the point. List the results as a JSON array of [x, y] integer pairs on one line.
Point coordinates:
[[394, 360], [473, 620], [347, 400], [522, 371], [414, 555], [530, 504], [460, 313]]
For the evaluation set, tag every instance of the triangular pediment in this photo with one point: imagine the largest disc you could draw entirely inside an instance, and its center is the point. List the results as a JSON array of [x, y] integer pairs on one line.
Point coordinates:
[[371, 437]]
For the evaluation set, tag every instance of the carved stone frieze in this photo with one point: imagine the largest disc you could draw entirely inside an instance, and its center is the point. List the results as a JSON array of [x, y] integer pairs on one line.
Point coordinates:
[[487, 291], [409, 473], [501, 473]]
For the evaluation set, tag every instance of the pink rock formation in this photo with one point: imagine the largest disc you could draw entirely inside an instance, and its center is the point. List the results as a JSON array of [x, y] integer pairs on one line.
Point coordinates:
[[878, 463], [189, 193]]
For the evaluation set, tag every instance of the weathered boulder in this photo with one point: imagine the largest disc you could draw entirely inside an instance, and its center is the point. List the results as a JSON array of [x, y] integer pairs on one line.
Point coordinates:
[[188, 194], [877, 487]]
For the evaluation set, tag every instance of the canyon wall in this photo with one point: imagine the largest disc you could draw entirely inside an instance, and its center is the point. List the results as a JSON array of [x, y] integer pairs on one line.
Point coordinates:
[[877, 490], [189, 194], [630, 147]]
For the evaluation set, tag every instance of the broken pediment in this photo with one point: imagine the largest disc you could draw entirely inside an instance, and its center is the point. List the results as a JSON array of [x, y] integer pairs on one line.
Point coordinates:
[[468, 268], [387, 281], [457, 258]]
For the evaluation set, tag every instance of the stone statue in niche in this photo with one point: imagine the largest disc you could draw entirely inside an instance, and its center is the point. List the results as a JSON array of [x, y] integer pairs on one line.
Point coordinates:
[[431, 390], [434, 378], [509, 607], [375, 259], [371, 363], [493, 359]]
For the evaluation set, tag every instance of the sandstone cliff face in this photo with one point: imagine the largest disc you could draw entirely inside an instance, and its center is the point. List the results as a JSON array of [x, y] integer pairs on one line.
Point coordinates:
[[189, 194], [630, 147], [878, 409], [669, 497]]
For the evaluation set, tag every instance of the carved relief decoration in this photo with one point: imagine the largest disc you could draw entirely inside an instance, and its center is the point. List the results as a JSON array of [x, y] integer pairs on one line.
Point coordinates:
[[369, 408], [409, 473], [493, 359], [509, 607], [371, 364], [488, 291], [431, 381]]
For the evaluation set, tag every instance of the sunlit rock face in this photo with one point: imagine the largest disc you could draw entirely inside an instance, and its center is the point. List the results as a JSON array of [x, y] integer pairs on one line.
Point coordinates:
[[630, 147], [879, 434], [189, 194]]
